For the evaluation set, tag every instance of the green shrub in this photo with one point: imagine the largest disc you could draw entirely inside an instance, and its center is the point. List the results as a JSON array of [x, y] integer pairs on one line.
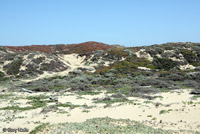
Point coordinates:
[[117, 53], [164, 63], [190, 57], [122, 80], [38, 60], [129, 52], [143, 90], [153, 82], [175, 77], [151, 66], [192, 76], [125, 67], [2, 48], [39, 128], [13, 67], [1, 74], [45, 66], [191, 84], [80, 83], [163, 112]]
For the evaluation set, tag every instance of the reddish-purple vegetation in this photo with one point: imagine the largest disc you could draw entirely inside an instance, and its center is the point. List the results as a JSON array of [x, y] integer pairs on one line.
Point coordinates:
[[82, 48]]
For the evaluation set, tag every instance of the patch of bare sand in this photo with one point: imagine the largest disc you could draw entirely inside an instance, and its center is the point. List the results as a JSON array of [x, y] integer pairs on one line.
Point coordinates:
[[73, 61]]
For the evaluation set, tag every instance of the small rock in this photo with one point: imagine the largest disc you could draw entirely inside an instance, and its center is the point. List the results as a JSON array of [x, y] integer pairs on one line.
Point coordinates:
[[26, 90], [195, 92], [157, 104], [52, 108], [54, 99]]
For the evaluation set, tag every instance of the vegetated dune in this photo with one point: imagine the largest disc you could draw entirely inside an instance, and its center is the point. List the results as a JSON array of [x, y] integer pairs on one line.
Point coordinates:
[[156, 85]]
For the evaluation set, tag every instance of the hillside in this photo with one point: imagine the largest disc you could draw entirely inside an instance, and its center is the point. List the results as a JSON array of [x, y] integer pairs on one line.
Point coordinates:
[[102, 74], [29, 61]]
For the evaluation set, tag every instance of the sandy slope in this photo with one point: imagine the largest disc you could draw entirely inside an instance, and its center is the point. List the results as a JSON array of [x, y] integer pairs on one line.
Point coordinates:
[[72, 61]]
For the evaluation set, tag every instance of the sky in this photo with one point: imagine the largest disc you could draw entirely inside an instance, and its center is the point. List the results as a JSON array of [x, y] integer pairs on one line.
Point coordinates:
[[124, 22]]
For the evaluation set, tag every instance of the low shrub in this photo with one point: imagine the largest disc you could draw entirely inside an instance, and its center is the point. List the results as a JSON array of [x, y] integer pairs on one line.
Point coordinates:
[[116, 53], [3, 77], [157, 83], [38, 60], [175, 77], [143, 90], [129, 52], [164, 63], [189, 56], [1, 74], [191, 84], [192, 76], [13, 67], [117, 95], [80, 83], [10, 56], [41, 88], [122, 81]]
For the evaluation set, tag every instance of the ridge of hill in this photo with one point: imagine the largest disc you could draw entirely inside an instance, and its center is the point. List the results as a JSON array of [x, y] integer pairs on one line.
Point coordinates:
[[81, 48]]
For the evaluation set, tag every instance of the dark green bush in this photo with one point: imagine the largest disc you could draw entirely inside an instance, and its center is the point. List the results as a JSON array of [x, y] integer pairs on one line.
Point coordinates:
[[2, 74], [41, 88], [10, 56], [143, 90], [38, 60], [116, 53], [153, 82], [80, 83], [191, 84], [192, 76], [190, 57], [54, 65], [164, 63], [45, 66], [175, 77], [13, 67]]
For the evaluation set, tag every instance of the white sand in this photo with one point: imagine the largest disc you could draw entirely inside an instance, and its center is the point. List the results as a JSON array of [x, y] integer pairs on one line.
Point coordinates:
[[75, 61], [180, 59], [1, 69], [144, 68], [159, 55], [169, 51], [7, 62], [181, 114], [143, 54], [185, 67]]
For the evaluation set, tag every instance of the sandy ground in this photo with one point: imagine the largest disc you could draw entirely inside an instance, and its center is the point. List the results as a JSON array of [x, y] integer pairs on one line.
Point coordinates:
[[181, 112], [143, 54]]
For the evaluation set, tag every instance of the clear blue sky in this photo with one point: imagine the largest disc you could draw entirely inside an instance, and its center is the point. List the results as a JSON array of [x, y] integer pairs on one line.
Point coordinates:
[[125, 22]]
